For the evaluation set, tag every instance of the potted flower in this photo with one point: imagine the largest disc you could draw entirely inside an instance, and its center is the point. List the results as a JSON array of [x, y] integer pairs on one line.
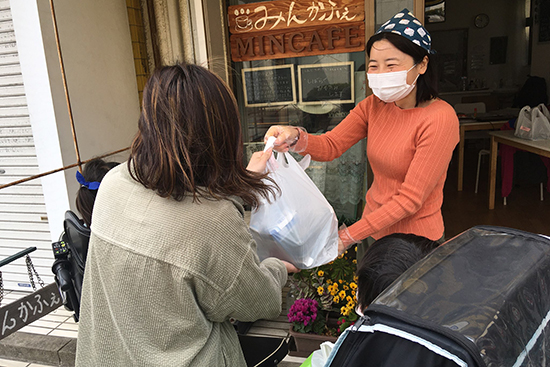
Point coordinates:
[[325, 300], [308, 326], [305, 317]]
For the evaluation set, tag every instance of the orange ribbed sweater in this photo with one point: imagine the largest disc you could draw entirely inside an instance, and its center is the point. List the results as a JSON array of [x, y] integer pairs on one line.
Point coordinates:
[[409, 152]]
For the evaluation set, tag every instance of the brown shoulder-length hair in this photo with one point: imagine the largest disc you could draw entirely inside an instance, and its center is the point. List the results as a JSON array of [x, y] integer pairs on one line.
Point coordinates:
[[189, 139]]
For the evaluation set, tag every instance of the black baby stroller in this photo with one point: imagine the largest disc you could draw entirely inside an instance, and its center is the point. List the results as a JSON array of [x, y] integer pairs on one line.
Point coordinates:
[[480, 300], [70, 258]]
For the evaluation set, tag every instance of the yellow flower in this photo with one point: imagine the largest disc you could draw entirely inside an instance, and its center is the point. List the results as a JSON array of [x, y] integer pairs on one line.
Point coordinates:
[[353, 286], [354, 261], [345, 312], [340, 281], [355, 278], [353, 293], [342, 309], [336, 299], [320, 273], [320, 290], [342, 294], [349, 299], [345, 287], [329, 282]]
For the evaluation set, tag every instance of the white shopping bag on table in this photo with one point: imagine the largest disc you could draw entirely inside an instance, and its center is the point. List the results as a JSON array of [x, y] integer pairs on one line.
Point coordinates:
[[299, 225], [533, 123]]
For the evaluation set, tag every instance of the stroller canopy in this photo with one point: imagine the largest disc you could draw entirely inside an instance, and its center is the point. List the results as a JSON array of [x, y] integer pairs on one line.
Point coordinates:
[[479, 300]]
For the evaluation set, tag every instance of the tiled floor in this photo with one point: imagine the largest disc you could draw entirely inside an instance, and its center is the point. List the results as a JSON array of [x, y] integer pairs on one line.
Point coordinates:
[[59, 323]]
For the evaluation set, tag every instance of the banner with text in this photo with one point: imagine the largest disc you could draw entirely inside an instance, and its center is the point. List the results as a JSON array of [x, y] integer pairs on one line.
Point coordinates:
[[283, 28]]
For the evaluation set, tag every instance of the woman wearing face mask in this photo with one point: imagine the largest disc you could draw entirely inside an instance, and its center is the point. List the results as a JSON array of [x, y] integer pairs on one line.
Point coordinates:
[[411, 137]]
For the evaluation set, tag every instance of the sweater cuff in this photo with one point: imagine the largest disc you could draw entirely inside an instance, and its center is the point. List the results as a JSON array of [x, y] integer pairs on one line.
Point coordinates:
[[346, 238], [274, 263], [300, 144]]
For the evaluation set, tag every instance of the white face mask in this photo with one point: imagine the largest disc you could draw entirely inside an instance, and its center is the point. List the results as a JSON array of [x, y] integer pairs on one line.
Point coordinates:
[[392, 86]]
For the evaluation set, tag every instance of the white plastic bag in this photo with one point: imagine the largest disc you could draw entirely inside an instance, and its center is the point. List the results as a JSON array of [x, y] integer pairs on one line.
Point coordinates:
[[533, 123], [320, 356], [299, 225]]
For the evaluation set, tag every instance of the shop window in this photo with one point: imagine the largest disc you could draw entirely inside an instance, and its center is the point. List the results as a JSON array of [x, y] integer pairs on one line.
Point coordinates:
[[313, 91], [385, 9]]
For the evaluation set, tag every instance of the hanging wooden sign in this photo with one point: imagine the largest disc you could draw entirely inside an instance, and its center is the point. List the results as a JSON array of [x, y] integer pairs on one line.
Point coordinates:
[[28, 309], [285, 28], [304, 42], [287, 14]]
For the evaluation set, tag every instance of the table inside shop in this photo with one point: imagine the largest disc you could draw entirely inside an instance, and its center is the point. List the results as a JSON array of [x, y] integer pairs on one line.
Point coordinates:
[[507, 137], [472, 125]]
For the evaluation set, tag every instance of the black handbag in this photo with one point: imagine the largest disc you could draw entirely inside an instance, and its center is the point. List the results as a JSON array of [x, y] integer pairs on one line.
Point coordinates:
[[260, 351]]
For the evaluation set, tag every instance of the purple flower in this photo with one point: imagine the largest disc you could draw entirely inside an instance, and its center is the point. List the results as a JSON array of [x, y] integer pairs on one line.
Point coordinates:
[[304, 311]]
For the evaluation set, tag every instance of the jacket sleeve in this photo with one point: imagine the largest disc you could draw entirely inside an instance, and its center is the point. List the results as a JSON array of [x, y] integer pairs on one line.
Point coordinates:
[[256, 292], [234, 283]]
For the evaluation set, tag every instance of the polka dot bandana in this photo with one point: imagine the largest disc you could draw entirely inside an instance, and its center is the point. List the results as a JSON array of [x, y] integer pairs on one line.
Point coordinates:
[[405, 24]]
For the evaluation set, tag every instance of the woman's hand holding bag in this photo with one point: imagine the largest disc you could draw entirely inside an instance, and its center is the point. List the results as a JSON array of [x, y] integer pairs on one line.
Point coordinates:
[[299, 225]]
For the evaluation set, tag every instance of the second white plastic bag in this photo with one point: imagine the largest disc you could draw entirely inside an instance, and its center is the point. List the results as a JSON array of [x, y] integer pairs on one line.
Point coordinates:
[[533, 123], [299, 225]]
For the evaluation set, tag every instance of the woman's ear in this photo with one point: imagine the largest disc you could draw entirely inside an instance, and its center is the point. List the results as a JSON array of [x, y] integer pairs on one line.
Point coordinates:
[[423, 65]]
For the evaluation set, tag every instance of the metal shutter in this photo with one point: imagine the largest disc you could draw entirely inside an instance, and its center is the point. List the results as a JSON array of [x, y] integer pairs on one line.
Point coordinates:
[[23, 219]]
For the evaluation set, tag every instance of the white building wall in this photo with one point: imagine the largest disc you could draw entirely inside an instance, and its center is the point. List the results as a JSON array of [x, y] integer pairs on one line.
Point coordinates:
[[40, 105], [23, 212], [97, 52]]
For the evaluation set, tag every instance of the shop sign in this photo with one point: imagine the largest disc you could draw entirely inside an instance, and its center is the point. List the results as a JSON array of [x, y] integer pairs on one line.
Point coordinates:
[[29, 309], [283, 28]]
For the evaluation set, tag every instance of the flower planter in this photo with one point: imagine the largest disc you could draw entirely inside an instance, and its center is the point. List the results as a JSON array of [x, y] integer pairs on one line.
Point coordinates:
[[307, 343]]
